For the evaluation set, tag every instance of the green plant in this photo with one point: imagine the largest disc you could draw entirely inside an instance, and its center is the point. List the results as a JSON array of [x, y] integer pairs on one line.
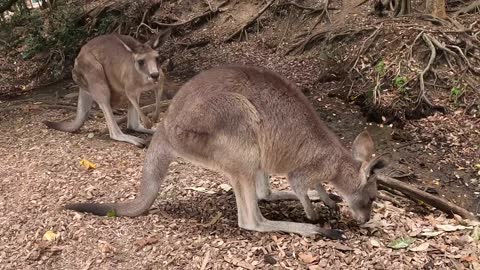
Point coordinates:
[[400, 82], [105, 24], [455, 93], [380, 68]]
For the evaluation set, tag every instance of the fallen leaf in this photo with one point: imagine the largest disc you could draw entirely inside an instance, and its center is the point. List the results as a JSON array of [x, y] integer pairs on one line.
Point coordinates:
[[374, 243], [146, 241], [105, 247], [50, 236], [431, 233], [451, 228], [87, 164], [421, 247], [201, 189], [476, 233], [470, 258], [307, 257], [401, 243], [214, 220], [225, 187], [341, 247]]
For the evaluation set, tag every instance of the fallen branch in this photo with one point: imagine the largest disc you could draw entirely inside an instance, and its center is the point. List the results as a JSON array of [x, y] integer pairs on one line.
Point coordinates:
[[247, 24], [427, 198]]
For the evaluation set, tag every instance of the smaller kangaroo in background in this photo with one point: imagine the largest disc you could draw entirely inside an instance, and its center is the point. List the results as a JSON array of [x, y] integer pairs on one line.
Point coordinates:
[[249, 122], [111, 69]]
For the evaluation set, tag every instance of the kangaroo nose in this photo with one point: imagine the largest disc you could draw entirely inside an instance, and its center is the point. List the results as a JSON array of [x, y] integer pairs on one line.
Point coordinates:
[[154, 75]]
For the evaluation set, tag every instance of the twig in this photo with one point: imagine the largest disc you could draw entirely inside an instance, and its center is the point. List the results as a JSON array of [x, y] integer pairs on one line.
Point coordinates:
[[363, 49], [416, 194], [259, 13], [142, 23]]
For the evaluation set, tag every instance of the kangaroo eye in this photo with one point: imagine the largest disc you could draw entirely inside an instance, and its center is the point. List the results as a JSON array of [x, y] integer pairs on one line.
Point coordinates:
[[141, 62]]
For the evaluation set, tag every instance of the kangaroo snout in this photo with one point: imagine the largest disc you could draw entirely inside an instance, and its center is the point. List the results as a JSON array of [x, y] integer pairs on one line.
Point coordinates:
[[155, 75]]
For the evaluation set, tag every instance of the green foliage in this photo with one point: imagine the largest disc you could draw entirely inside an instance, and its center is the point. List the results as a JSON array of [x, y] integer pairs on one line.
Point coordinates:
[[455, 93], [400, 82], [57, 30], [380, 68], [105, 24]]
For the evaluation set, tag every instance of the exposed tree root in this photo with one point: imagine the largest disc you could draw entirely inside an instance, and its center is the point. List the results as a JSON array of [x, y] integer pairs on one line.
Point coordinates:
[[475, 5], [419, 195], [211, 11], [311, 9], [327, 34], [247, 24], [422, 96]]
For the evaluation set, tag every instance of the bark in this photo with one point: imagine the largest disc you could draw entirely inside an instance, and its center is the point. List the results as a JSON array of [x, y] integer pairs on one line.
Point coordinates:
[[436, 8]]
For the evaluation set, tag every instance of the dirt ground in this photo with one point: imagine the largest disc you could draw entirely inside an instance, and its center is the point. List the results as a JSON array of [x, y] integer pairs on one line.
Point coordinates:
[[193, 223], [185, 227]]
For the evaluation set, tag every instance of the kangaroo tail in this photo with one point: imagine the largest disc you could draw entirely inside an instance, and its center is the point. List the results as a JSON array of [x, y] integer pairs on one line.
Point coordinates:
[[83, 107], [158, 158]]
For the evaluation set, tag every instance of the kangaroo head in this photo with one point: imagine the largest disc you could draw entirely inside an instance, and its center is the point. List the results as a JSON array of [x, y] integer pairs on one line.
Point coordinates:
[[361, 197], [146, 58]]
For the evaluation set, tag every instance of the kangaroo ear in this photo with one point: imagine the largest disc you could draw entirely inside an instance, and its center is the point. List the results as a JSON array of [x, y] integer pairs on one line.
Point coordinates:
[[129, 46], [376, 164], [363, 147], [159, 38]]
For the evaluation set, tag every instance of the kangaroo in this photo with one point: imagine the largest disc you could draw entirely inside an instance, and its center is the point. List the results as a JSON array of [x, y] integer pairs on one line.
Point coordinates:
[[248, 122], [111, 69]]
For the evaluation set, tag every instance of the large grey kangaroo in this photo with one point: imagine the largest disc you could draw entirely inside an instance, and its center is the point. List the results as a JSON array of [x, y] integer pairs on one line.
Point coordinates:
[[111, 69], [248, 122]]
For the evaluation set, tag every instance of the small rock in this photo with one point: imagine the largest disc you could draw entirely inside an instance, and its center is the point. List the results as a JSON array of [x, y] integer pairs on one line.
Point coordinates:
[[269, 259]]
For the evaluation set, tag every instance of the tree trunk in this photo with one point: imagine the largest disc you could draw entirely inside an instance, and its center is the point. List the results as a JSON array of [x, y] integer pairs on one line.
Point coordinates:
[[436, 8], [403, 7]]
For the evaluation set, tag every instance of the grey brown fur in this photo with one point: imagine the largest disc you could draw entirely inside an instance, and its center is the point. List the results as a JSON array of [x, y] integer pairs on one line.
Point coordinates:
[[111, 69], [248, 122]]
